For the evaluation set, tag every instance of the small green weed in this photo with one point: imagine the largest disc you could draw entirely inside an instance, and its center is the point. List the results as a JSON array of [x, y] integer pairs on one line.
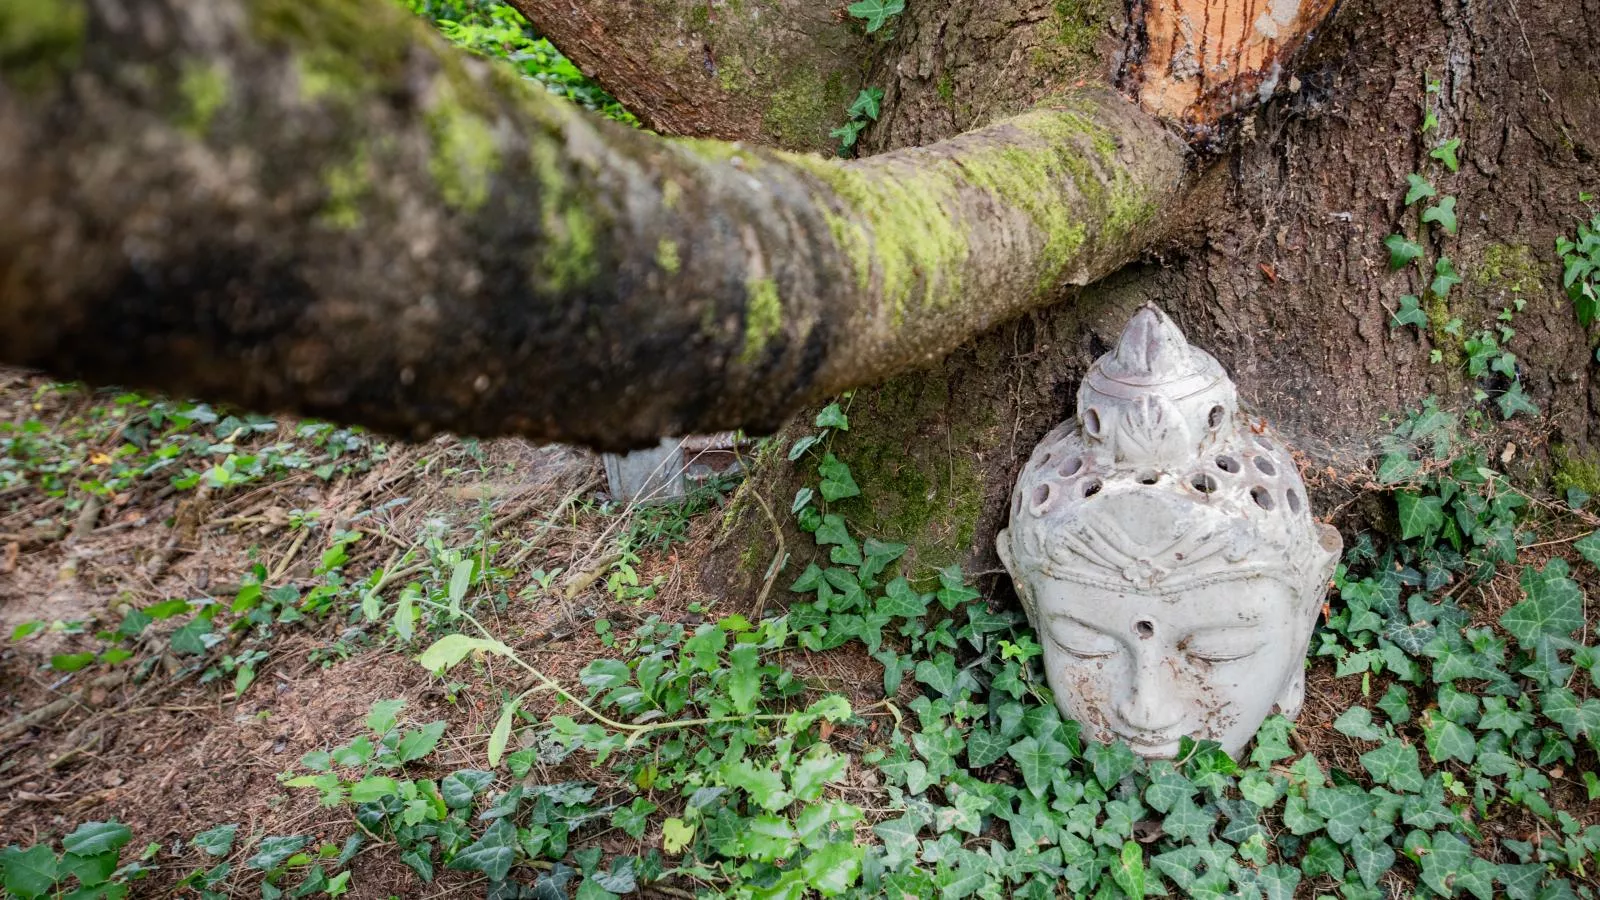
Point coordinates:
[[1484, 354], [1580, 270]]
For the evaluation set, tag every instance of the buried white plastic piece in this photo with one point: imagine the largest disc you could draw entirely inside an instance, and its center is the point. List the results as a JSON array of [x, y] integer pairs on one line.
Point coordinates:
[[1164, 551]]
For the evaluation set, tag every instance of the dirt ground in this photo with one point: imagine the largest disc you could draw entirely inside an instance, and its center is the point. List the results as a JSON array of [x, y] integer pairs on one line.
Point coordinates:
[[145, 742]]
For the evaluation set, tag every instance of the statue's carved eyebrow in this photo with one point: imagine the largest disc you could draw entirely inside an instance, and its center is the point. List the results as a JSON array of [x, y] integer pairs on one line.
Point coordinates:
[[1074, 620]]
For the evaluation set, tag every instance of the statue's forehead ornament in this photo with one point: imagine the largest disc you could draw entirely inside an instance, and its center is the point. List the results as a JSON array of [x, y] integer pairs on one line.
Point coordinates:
[[1160, 485]]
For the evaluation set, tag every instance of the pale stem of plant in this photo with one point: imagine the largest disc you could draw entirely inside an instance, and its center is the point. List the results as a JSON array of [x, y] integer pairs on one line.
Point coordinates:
[[635, 732]]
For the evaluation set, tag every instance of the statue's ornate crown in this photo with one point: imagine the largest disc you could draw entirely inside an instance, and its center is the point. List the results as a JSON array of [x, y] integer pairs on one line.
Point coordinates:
[[1161, 485]]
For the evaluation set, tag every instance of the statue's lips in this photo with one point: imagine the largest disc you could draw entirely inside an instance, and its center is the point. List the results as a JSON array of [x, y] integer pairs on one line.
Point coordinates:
[[1150, 745]]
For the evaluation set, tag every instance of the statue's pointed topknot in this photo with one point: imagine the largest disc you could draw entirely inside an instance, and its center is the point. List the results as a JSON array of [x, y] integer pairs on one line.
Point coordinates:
[[1151, 350], [1156, 399]]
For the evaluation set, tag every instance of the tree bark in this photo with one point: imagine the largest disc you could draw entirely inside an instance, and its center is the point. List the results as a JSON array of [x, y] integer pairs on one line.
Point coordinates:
[[312, 207], [1282, 274], [780, 78]]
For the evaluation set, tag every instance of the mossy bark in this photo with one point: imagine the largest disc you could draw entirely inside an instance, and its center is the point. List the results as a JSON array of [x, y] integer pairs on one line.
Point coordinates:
[[1279, 269], [780, 73], [317, 207]]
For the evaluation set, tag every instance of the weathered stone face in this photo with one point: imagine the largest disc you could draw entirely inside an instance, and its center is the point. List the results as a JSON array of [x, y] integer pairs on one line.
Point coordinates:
[[1164, 551]]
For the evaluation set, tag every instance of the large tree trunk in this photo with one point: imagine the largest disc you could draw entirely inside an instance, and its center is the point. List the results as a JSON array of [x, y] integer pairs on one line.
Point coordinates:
[[314, 207], [1283, 274]]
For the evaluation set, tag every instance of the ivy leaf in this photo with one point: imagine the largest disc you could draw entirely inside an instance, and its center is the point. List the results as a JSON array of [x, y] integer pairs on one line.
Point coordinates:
[[1356, 722], [1446, 859], [1272, 741], [899, 839], [833, 531], [1278, 881], [1345, 809], [1298, 816], [1167, 787], [1187, 822], [1420, 189], [953, 590], [837, 482], [1411, 313], [802, 499], [848, 134], [901, 600], [1553, 608], [984, 747], [1260, 788], [811, 440], [1401, 251], [491, 854], [866, 106], [1446, 153], [1442, 214], [1038, 761], [1515, 400], [832, 416], [1563, 708], [459, 787], [1396, 703], [1520, 881], [272, 851], [939, 674], [1110, 762], [634, 818], [1128, 871], [216, 841], [877, 12], [1372, 857], [1419, 515], [1396, 764], [1445, 277], [1589, 548], [1447, 740]]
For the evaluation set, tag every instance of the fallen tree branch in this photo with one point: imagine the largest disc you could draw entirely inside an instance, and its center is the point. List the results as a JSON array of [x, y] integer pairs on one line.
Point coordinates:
[[321, 208]]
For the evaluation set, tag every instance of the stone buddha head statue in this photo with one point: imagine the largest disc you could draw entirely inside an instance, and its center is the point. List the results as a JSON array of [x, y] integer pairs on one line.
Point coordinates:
[[1164, 551]]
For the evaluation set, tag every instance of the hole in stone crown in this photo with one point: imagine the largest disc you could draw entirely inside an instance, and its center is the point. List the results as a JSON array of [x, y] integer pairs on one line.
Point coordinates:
[[1266, 445], [1294, 500], [1203, 483], [1091, 422], [1072, 466], [1149, 477], [1045, 460], [1041, 496], [1091, 488], [1265, 466], [1144, 628], [1261, 496], [1214, 418], [1228, 464]]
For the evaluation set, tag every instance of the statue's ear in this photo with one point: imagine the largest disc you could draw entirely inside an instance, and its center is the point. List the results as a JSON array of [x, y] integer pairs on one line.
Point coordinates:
[[1002, 545]]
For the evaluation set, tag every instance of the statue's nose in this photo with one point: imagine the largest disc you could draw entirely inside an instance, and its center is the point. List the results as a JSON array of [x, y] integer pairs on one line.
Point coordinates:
[[1152, 703]]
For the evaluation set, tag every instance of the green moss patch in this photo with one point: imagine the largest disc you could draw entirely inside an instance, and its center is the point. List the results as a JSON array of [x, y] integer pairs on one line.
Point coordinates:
[[39, 38]]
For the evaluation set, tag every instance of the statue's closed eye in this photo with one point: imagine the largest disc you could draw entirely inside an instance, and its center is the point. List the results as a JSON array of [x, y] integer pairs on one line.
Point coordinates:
[[1080, 640], [1223, 646]]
